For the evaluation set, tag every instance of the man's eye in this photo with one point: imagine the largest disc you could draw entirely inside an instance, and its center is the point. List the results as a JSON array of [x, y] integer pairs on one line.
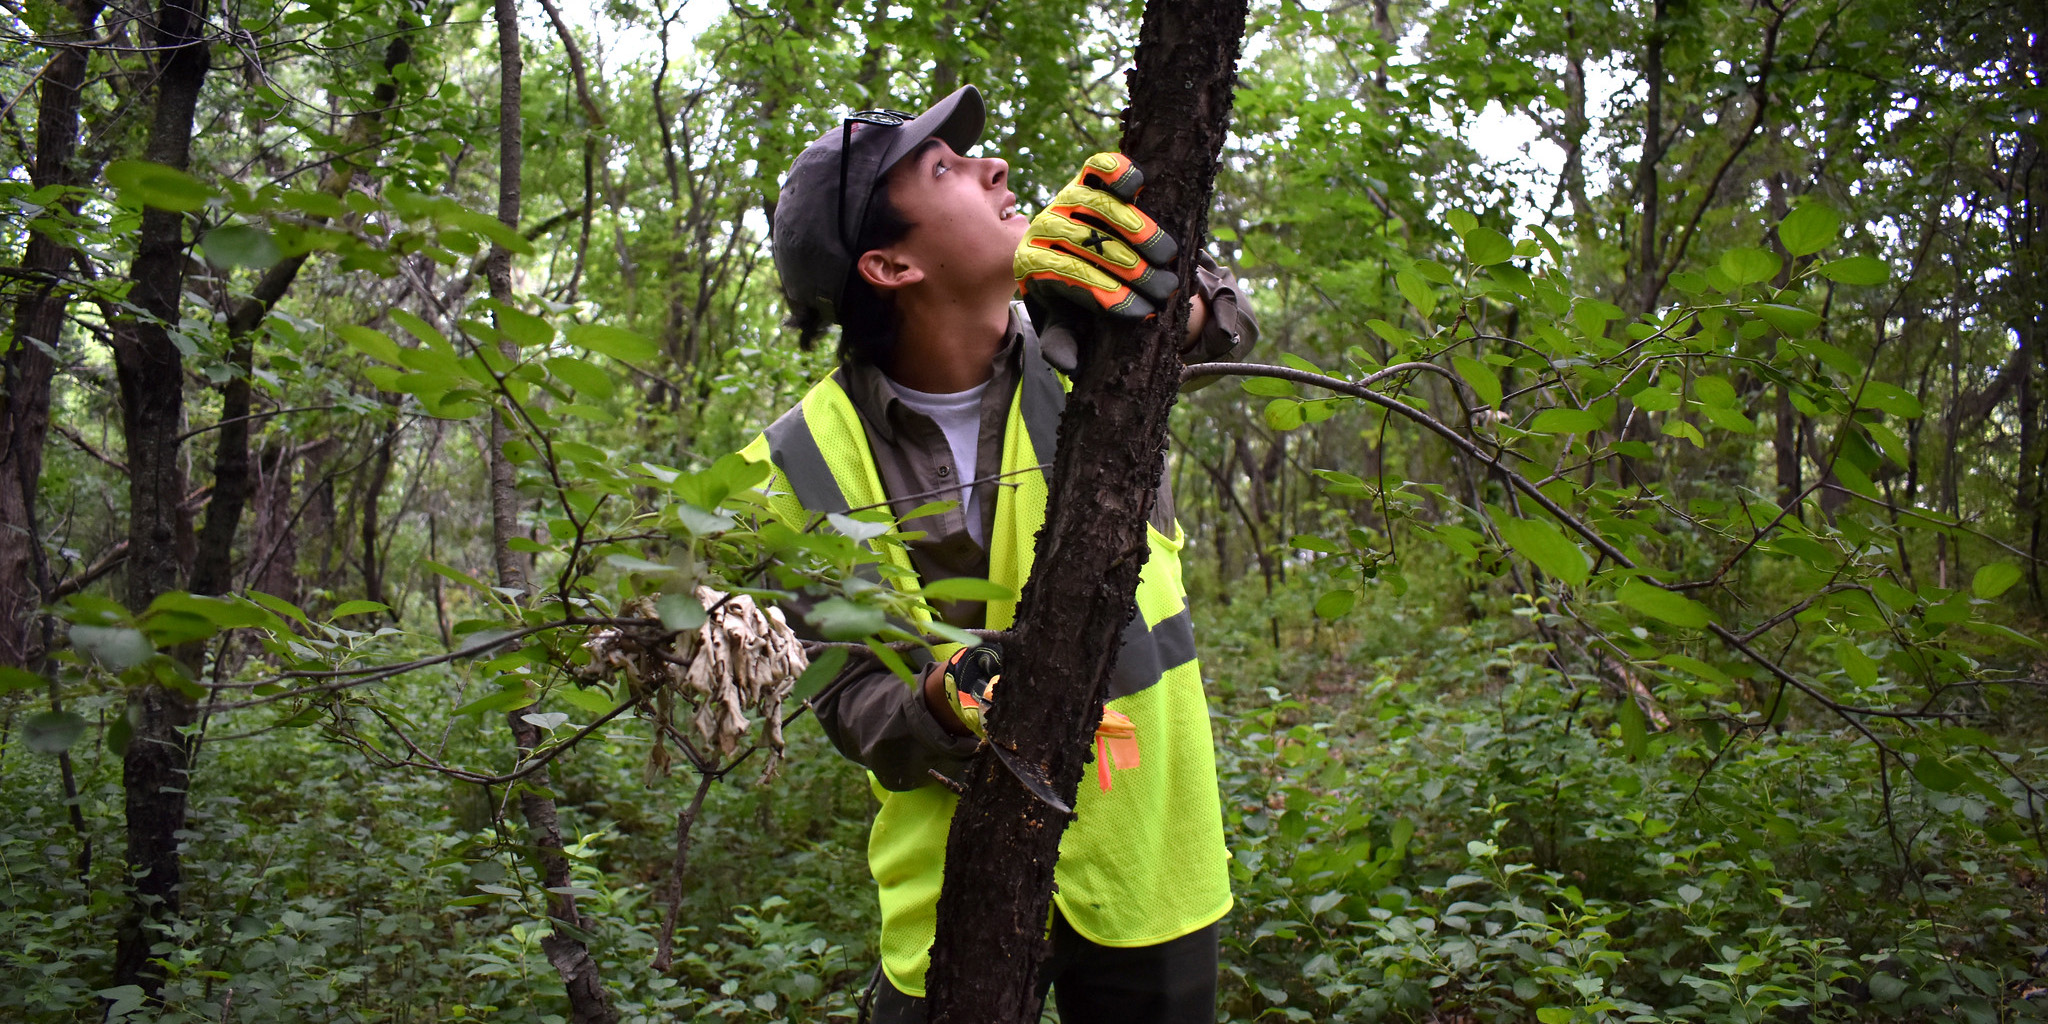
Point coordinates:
[[938, 169]]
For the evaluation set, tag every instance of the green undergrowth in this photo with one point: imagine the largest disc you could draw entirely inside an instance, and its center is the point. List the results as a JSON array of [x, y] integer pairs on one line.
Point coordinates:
[[1427, 824]]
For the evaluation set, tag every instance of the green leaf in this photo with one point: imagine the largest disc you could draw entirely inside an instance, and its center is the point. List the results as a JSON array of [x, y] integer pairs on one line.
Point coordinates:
[[1283, 414], [1416, 291], [223, 612], [424, 331], [1554, 1015], [1994, 579], [616, 342], [1861, 667], [1591, 316], [240, 245], [122, 1000], [1713, 390], [347, 608], [1481, 376], [1268, 387], [525, 329], [967, 588], [1834, 358], [857, 530], [584, 377], [1566, 421], [1729, 418], [1680, 428], [1697, 667], [1336, 604], [52, 732], [1890, 398], [1547, 547], [291, 611], [681, 612], [1750, 266], [1884, 988], [490, 227], [1808, 229], [117, 647], [1654, 400], [630, 563], [840, 619], [1658, 603], [1937, 776], [1486, 247], [1635, 730], [821, 671], [165, 188], [1787, 319], [592, 702], [1856, 270], [375, 344], [12, 679], [503, 700]]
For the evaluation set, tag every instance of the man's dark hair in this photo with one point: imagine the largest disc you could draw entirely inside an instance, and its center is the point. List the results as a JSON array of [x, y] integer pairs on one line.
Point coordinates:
[[867, 320]]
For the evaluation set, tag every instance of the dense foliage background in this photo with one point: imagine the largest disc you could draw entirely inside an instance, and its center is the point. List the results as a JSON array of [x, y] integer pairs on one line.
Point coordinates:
[[1655, 645]]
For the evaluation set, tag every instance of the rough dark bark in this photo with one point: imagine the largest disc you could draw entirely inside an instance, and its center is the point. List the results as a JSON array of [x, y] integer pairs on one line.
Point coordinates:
[[28, 365], [498, 273], [589, 1003], [373, 496], [152, 380], [1649, 253], [1103, 482]]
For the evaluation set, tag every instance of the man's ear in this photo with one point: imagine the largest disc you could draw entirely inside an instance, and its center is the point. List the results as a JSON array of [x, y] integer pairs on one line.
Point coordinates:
[[887, 270]]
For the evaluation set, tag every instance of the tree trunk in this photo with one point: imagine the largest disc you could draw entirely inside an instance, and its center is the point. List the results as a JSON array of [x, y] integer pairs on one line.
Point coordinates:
[[1649, 254], [29, 363], [152, 379], [212, 569], [1082, 591], [589, 1003]]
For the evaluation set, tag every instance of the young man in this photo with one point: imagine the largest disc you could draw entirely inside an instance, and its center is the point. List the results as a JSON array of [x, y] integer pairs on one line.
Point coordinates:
[[947, 390]]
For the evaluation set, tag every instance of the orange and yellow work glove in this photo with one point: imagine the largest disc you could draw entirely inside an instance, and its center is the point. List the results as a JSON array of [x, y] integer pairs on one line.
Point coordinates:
[[1092, 249], [971, 675]]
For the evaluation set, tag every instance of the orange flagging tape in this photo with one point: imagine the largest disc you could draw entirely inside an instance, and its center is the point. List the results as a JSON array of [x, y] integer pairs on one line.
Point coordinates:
[[1116, 739]]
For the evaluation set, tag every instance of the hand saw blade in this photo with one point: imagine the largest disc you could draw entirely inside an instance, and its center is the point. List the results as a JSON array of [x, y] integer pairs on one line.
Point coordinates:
[[1033, 779]]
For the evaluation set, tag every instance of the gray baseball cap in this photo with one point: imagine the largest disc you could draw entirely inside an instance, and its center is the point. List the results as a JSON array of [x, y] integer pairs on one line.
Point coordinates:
[[816, 226]]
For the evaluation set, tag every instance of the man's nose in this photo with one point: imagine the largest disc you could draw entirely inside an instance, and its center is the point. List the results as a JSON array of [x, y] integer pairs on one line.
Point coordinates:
[[997, 171]]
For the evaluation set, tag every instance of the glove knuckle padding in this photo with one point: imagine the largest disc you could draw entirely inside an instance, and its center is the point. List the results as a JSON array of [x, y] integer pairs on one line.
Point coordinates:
[[1034, 262], [1112, 172], [1118, 215]]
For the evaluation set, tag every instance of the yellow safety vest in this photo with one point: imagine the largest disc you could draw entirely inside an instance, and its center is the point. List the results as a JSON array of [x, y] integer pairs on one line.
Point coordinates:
[[1143, 862]]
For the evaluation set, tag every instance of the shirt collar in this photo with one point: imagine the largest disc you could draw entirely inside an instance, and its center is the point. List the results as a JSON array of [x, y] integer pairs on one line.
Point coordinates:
[[878, 403]]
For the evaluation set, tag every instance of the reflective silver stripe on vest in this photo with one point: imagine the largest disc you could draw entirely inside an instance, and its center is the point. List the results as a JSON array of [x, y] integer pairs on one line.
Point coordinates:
[[1147, 654], [796, 453], [1143, 655]]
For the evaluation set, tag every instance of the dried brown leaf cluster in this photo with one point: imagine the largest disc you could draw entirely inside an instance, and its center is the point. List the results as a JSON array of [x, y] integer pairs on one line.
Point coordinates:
[[744, 659]]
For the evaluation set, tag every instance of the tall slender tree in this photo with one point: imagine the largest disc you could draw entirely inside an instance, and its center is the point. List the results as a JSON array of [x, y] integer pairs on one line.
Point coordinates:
[[1103, 483], [151, 374], [589, 1003]]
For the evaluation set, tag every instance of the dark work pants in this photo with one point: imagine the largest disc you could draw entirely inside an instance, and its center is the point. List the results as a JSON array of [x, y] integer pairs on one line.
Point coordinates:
[[1170, 983]]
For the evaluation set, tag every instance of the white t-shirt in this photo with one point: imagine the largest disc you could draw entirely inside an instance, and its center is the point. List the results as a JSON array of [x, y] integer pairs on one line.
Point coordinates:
[[958, 416]]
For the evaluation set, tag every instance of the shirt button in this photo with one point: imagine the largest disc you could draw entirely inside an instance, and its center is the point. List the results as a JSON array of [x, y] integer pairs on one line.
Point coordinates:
[[945, 471]]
